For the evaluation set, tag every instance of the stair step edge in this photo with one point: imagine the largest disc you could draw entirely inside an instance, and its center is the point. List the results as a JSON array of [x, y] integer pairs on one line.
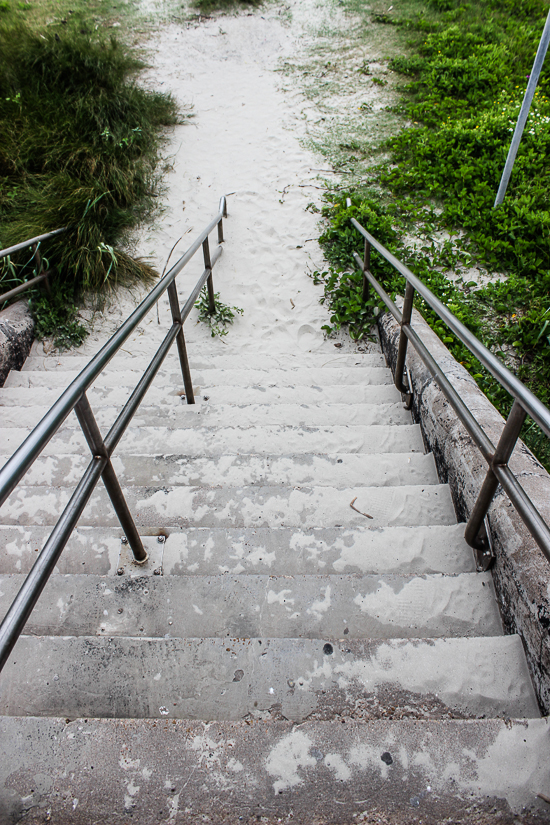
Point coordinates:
[[295, 679]]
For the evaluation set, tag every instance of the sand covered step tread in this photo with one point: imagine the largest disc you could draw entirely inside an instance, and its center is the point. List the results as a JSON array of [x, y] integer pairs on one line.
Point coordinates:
[[337, 470], [202, 415], [278, 506], [71, 363], [315, 607], [173, 393], [265, 440], [258, 550], [293, 679], [299, 376], [459, 770]]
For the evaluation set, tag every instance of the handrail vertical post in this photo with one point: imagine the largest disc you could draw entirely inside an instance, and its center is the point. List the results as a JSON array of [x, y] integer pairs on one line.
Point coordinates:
[[97, 446], [505, 447], [209, 282], [402, 348], [220, 231], [366, 268], [180, 342]]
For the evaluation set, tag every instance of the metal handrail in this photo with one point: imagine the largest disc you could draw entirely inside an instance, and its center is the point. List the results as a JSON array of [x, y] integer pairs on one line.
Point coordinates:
[[43, 273], [477, 532], [75, 398]]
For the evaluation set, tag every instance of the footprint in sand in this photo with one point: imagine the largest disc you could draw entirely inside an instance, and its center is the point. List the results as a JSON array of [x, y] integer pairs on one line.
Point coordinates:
[[309, 337]]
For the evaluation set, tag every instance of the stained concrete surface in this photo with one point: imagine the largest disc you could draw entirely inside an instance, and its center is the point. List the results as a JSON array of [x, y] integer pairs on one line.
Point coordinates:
[[116, 771], [375, 607], [293, 679]]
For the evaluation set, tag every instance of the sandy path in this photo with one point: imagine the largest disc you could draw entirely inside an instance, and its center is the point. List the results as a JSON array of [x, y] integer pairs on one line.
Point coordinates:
[[243, 141]]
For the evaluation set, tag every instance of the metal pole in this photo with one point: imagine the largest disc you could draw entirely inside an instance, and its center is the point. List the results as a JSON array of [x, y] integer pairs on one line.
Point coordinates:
[[524, 112], [22, 287], [209, 282], [504, 450], [127, 413], [402, 348], [19, 612], [31, 241], [180, 342], [366, 268], [96, 444]]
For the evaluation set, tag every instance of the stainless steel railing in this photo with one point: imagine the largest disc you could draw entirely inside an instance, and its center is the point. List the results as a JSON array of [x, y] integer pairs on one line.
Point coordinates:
[[74, 398], [525, 403], [42, 273]]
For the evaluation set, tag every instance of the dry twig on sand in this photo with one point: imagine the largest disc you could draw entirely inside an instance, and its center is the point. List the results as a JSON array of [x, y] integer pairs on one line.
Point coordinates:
[[352, 505]]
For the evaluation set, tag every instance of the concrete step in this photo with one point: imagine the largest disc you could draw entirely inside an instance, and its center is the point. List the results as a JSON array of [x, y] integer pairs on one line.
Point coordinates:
[[59, 363], [266, 440], [300, 376], [294, 679], [173, 393], [195, 416], [303, 507], [258, 550], [344, 470], [244, 607], [391, 771]]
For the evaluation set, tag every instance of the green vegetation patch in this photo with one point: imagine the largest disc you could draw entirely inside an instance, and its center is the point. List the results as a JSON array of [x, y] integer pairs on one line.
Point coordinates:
[[207, 6], [220, 318], [466, 68], [79, 148]]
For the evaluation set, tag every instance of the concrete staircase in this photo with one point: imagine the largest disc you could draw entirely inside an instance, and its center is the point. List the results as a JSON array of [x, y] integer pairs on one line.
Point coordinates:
[[308, 640]]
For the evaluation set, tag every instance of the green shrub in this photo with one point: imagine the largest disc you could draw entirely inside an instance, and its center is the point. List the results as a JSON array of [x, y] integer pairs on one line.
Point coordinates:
[[463, 101], [79, 147]]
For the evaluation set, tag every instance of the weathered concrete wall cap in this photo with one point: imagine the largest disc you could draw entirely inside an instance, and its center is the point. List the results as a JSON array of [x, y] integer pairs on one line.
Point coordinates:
[[16, 337]]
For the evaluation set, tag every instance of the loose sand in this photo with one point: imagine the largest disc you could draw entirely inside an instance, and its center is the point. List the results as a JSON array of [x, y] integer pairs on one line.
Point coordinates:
[[244, 140]]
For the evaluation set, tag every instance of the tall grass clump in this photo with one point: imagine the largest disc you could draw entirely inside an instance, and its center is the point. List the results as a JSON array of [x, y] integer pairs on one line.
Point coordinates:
[[79, 147], [465, 70]]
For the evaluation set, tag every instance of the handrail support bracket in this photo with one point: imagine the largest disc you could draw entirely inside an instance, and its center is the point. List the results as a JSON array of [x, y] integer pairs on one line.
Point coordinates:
[[403, 383], [93, 436], [477, 533], [366, 268], [180, 343], [209, 282]]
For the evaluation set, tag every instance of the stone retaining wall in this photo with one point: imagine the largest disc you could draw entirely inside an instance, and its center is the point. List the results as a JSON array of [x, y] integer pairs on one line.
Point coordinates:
[[521, 573], [16, 337]]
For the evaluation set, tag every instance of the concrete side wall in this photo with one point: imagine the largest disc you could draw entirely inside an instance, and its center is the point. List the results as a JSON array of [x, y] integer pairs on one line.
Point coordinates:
[[16, 337], [521, 572]]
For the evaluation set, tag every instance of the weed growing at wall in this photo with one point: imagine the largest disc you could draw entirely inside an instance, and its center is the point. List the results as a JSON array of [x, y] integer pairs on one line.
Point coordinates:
[[467, 68]]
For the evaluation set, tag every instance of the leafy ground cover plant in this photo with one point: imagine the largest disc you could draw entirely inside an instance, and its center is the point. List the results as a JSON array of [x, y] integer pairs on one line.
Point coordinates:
[[466, 67], [218, 320], [57, 317], [79, 147]]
